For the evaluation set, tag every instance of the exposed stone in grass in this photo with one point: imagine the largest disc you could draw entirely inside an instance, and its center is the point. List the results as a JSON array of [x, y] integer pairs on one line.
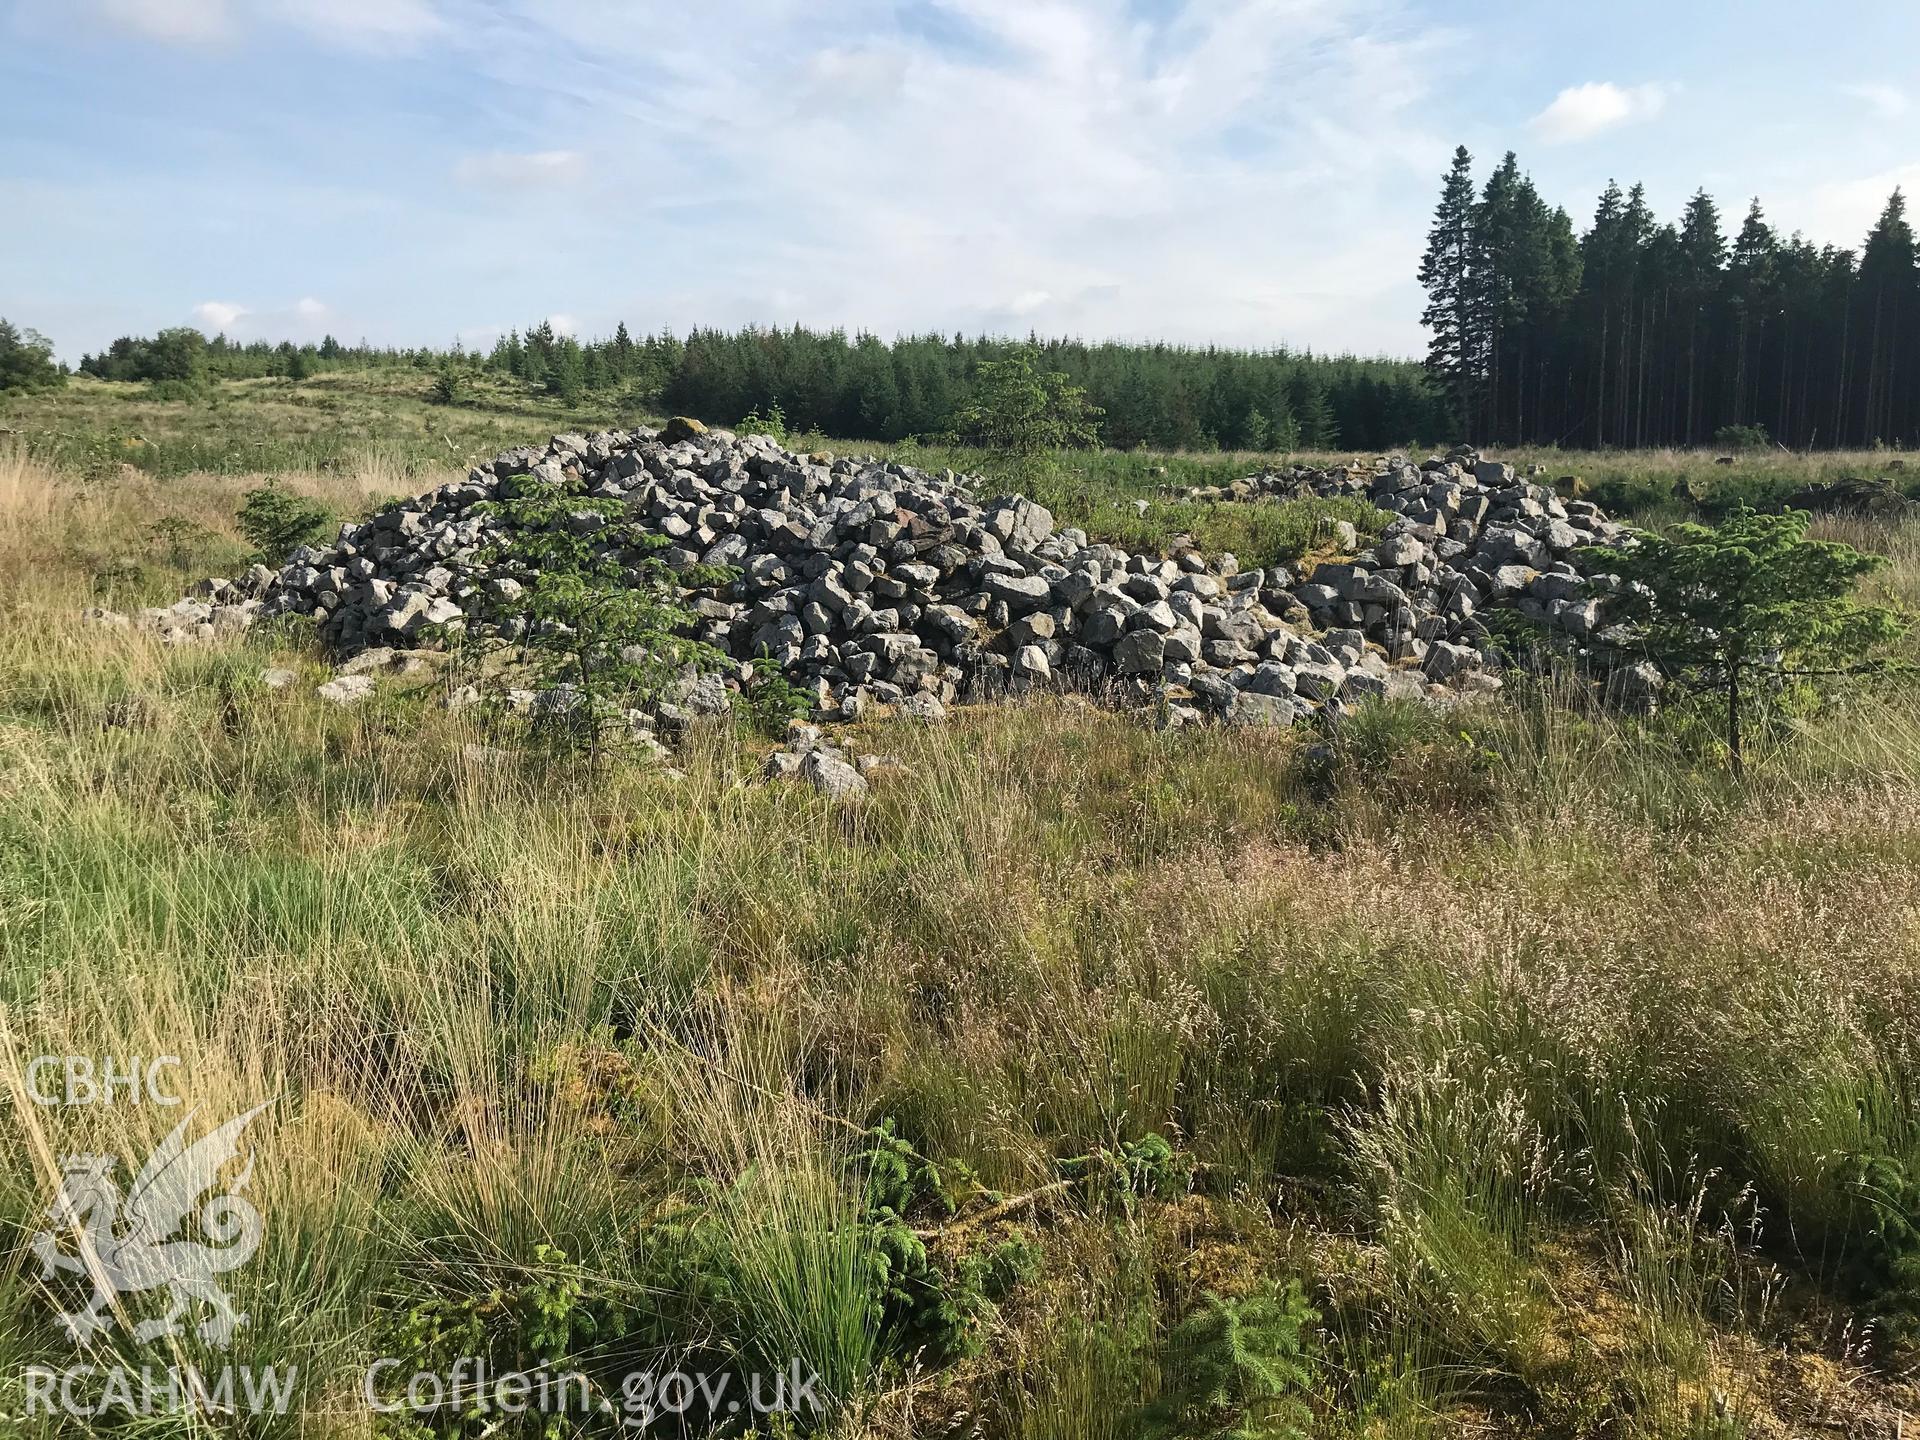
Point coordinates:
[[827, 768], [346, 689], [922, 706]]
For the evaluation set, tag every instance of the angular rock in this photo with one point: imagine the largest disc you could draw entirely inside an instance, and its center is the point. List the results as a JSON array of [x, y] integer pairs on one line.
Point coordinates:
[[831, 776], [346, 689], [923, 707], [1140, 652], [1265, 710]]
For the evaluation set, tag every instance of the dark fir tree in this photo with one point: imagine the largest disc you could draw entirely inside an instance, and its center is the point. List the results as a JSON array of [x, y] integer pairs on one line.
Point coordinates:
[[1888, 307], [1447, 273], [1750, 297], [1698, 276]]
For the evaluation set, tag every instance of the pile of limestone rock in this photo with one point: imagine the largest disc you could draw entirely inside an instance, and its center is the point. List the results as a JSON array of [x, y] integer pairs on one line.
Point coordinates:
[[875, 583]]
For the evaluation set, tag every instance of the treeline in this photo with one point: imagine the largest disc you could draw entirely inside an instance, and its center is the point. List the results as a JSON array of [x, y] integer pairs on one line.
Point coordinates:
[[1639, 333], [860, 386], [26, 360], [1164, 397], [185, 356]]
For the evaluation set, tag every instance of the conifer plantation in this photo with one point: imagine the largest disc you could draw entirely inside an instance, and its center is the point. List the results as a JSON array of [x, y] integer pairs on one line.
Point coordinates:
[[1161, 397], [1640, 334]]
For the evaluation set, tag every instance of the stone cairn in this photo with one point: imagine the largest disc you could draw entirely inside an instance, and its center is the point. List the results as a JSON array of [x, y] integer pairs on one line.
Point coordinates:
[[875, 583]]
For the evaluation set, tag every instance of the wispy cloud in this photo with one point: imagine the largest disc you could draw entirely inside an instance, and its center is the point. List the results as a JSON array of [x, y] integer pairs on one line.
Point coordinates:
[[178, 22], [360, 24], [986, 163], [1889, 102], [1583, 111], [370, 24], [1183, 169], [1841, 212], [516, 169], [305, 319], [218, 315]]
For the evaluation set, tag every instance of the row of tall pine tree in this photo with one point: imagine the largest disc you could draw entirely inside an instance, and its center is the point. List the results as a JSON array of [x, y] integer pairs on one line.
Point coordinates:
[[1639, 333]]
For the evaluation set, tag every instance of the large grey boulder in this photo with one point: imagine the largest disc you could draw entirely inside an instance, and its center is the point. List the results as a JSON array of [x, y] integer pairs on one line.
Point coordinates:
[[1636, 686], [1140, 652], [1020, 593], [831, 776], [1446, 661], [1030, 664], [1265, 710], [923, 707]]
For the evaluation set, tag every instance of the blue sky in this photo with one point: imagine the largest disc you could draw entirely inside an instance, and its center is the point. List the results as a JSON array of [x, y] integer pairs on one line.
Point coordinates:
[[1248, 172]]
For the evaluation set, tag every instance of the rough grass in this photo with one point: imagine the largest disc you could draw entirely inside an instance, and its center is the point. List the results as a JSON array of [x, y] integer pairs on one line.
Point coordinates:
[[1524, 1039], [268, 425]]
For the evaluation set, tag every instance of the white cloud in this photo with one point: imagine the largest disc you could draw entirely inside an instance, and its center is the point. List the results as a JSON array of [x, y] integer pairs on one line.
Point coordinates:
[[1841, 212], [305, 319], [1889, 102], [372, 24], [479, 337], [564, 324], [521, 170], [365, 24], [1027, 301], [1583, 111], [180, 22], [219, 315], [861, 73]]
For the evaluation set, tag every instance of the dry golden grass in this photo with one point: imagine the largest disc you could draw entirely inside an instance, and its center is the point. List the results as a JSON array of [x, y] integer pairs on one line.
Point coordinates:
[[60, 532]]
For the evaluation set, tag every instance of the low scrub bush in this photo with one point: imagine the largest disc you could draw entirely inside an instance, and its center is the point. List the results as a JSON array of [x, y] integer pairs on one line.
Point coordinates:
[[277, 521], [599, 617], [450, 387], [1743, 437], [181, 541], [773, 423], [1747, 610], [928, 1306], [1885, 1266], [1239, 1369], [549, 1318]]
